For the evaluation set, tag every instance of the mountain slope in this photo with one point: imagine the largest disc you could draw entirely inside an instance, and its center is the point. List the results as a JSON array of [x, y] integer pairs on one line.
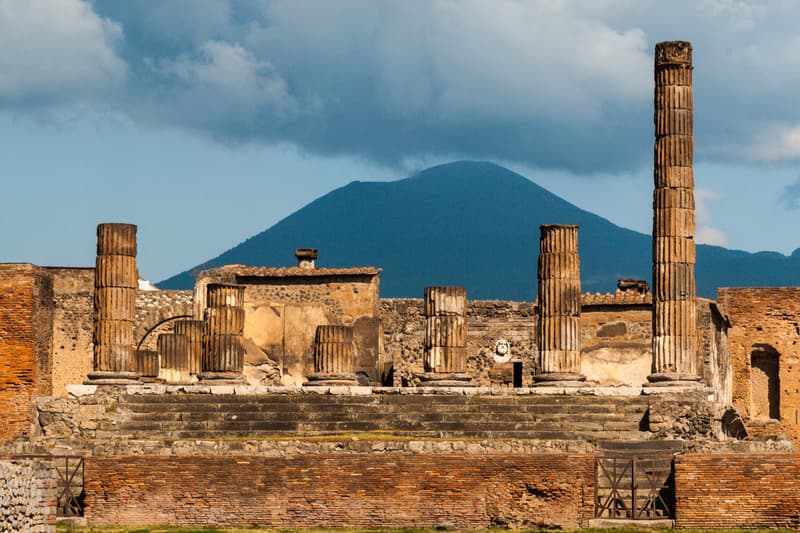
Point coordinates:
[[473, 224]]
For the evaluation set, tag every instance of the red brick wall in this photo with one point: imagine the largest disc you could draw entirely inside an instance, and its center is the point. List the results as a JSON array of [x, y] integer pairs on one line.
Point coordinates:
[[26, 318], [765, 317], [737, 491], [392, 490]]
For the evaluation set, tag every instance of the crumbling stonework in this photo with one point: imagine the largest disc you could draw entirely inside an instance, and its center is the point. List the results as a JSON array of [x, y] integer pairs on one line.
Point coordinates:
[[765, 322], [283, 307], [73, 290], [27, 495]]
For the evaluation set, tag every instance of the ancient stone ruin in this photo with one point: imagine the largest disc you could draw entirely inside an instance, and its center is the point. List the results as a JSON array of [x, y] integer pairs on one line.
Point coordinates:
[[298, 397]]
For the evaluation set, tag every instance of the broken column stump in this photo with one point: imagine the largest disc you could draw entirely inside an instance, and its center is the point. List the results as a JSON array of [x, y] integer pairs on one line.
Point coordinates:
[[674, 311], [193, 330], [115, 282], [334, 357], [173, 350], [223, 327], [558, 335], [445, 355]]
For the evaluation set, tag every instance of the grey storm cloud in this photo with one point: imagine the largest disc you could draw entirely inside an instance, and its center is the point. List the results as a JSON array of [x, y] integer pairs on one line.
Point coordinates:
[[550, 84]]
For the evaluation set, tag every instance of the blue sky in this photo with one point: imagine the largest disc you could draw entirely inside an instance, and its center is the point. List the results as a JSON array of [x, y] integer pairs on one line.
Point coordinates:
[[205, 122]]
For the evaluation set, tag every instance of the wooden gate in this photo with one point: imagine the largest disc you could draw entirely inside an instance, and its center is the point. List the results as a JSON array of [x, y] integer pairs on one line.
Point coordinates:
[[634, 487], [70, 485]]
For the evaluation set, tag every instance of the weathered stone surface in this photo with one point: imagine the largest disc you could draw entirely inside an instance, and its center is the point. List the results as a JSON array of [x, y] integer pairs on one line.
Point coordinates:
[[445, 329], [193, 330], [558, 333], [674, 290], [115, 238], [334, 350], [225, 295], [116, 271]]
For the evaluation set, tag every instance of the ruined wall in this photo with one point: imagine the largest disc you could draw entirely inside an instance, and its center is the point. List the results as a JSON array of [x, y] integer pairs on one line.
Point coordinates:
[[27, 495], [488, 321], [379, 489], [26, 332], [616, 332], [283, 307], [156, 312], [615, 336], [73, 290], [737, 491], [765, 328]]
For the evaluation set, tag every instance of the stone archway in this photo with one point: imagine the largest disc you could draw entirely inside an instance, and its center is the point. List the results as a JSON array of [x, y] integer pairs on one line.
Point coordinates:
[[156, 312], [764, 382]]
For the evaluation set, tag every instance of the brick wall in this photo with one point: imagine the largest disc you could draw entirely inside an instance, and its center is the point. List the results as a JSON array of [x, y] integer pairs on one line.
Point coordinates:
[[737, 491], [26, 324], [387, 490], [765, 321]]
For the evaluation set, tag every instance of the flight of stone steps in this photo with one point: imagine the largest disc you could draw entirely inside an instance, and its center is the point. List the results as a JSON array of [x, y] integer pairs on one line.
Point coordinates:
[[553, 417]]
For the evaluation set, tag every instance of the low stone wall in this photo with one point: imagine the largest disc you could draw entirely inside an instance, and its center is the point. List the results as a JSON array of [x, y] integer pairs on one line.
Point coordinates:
[[27, 495], [737, 491], [426, 490]]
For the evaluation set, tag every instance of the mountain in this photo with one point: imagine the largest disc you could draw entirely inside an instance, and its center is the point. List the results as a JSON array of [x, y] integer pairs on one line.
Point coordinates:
[[474, 224]]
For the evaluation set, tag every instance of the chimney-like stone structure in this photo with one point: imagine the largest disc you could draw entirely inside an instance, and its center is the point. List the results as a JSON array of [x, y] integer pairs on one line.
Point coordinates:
[[174, 352], [559, 335], [306, 257], [223, 349], [115, 282], [674, 312], [193, 330], [445, 348], [334, 357]]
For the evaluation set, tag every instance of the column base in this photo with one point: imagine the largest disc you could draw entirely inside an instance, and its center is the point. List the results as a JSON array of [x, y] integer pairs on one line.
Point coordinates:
[[102, 377], [672, 379], [445, 379], [559, 379], [221, 378], [321, 379]]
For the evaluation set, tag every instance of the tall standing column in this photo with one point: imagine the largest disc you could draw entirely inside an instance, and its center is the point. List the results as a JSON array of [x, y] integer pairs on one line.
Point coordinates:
[[674, 312], [559, 336], [445, 355], [115, 282], [223, 350]]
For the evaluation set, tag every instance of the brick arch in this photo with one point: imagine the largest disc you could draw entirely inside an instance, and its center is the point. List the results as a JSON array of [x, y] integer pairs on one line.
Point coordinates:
[[155, 308], [155, 327]]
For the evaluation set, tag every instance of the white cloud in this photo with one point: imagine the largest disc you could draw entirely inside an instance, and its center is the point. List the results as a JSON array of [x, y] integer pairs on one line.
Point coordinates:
[[56, 51], [706, 232], [776, 142]]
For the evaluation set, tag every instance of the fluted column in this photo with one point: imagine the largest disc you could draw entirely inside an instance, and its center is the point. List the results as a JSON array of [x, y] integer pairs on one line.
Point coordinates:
[[223, 349], [334, 357], [559, 277], [193, 330], [115, 282], [445, 348], [173, 350], [147, 364], [674, 312]]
